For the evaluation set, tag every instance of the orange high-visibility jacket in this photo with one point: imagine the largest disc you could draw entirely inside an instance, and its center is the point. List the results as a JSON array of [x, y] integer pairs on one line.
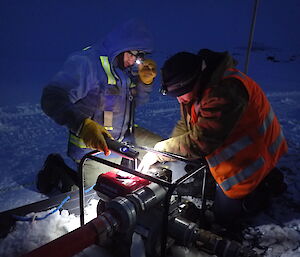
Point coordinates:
[[252, 148]]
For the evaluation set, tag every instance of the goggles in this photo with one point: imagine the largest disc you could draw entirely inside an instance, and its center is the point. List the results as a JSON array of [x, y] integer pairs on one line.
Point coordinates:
[[139, 55]]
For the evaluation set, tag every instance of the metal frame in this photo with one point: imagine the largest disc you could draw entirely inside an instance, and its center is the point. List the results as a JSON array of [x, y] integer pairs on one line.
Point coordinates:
[[171, 187]]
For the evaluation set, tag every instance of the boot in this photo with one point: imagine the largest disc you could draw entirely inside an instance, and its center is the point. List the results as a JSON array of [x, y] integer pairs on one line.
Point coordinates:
[[256, 201], [274, 183], [55, 174]]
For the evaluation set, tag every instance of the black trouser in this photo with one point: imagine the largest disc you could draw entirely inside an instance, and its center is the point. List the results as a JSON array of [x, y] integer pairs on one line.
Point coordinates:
[[228, 210]]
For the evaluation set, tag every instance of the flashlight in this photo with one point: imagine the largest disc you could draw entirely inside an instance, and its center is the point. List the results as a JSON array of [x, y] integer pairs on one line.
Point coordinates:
[[139, 55], [138, 61]]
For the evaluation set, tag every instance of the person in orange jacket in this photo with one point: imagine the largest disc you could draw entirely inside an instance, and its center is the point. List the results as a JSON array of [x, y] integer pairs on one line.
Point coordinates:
[[227, 119]]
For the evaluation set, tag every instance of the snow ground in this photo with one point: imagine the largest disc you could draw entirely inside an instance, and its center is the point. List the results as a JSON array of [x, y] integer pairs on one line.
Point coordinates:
[[28, 136]]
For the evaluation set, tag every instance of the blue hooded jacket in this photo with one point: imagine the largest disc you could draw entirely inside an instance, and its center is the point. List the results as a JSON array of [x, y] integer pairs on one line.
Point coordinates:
[[83, 90]]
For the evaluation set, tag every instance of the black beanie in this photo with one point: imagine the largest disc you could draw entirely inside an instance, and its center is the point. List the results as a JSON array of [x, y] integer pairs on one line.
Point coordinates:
[[179, 73]]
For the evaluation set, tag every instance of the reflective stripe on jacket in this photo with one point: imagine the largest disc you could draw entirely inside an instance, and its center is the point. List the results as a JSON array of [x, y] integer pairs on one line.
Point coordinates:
[[112, 115], [87, 86], [252, 148]]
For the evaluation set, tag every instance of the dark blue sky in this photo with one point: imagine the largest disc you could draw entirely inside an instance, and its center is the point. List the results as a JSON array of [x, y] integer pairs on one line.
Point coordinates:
[[37, 35]]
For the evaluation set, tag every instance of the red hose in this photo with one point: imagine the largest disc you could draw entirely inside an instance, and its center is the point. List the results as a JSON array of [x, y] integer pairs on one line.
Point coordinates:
[[72, 243]]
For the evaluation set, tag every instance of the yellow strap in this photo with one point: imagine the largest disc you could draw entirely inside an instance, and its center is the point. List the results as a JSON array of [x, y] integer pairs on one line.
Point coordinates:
[[132, 85], [77, 141], [106, 66], [109, 128], [86, 48]]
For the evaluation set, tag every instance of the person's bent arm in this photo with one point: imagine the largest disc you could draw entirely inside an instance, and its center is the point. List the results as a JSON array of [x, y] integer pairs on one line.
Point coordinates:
[[68, 86], [217, 116]]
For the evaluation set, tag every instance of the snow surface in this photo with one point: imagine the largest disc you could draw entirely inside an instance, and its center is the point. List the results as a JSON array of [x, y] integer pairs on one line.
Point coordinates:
[[27, 136]]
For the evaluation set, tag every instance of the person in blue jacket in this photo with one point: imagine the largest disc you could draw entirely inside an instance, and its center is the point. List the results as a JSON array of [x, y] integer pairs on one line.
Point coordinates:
[[95, 92]]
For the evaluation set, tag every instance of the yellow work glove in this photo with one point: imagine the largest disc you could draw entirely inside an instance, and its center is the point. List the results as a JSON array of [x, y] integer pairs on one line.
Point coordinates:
[[93, 135], [147, 71]]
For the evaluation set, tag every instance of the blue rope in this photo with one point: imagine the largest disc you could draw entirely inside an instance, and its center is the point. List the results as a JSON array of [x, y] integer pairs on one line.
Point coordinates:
[[33, 218]]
